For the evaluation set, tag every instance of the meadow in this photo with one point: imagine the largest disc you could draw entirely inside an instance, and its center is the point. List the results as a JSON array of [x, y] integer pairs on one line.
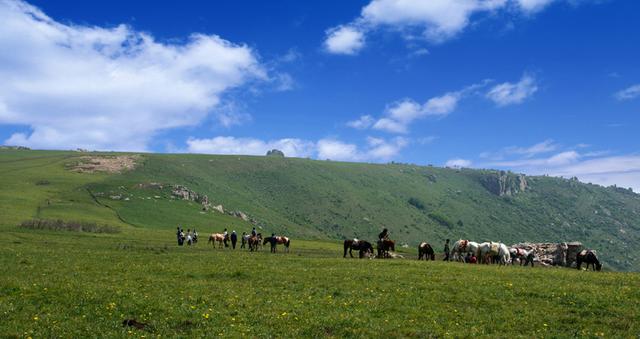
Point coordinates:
[[75, 284], [82, 262]]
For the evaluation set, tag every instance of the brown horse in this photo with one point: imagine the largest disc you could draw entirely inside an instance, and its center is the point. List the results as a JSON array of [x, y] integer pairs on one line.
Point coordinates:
[[277, 240], [254, 242], [217, 237], [425, 250], [360, 245], [384, 246], [588, 257]]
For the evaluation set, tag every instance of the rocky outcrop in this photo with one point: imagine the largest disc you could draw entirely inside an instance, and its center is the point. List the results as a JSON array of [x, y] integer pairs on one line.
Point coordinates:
[[183, 193], [554, 254], [505, 183], [275, 153]]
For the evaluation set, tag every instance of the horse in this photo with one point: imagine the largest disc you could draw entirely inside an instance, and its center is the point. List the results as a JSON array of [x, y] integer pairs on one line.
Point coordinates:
[[362, 246], [522, 254], [254, 242], [489, 250], [219, 237], [425, 250], [384, 246], [461, 247], [277, 240], [588, 257]]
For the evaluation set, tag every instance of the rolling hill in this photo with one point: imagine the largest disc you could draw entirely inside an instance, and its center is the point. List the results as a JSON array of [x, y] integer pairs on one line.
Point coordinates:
[[314, 199]]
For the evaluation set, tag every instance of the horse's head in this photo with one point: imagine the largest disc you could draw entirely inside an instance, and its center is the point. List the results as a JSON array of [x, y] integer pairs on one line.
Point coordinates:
[[266, 240], [392, 245]]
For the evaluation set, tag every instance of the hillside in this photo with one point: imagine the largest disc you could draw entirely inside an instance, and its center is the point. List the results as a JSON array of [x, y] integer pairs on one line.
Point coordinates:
[[321, 200]]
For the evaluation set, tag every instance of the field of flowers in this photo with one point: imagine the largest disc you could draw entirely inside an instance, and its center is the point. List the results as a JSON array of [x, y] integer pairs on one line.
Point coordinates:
[[72, 284]]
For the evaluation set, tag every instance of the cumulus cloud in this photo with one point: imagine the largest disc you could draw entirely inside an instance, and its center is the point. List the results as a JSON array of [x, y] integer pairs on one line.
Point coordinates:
[[458, 163], [436, 20], [513, 93], [363, 122], [545, 146], [375, 149], [595, 167], [347, 40], [250, 146], [628, 93], [109, 88], [399, 115]]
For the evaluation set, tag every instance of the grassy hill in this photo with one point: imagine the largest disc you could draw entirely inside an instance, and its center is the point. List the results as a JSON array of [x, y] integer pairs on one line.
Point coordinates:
[[323, 200]]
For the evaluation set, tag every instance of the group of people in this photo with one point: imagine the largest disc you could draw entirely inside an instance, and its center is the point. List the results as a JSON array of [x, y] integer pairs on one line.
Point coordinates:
[[191, 237]]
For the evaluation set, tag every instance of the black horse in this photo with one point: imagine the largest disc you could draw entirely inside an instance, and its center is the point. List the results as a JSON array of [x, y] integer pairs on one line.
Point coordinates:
[[426, 251], [360, 245], [588, 257]]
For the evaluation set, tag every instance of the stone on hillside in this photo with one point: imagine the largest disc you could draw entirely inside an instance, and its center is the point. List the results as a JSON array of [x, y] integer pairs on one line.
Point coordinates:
[[505, 183], [275, 153], [554, 254]]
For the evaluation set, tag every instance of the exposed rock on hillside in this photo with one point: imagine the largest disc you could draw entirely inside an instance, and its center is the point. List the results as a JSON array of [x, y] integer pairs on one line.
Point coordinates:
[[184, 193], [505, 183], [275, 153], [554, 254], [109, 164]]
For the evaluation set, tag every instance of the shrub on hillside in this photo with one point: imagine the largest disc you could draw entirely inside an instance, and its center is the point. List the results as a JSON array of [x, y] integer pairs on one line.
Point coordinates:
[[415, 202], [441, 219], [61, 225]]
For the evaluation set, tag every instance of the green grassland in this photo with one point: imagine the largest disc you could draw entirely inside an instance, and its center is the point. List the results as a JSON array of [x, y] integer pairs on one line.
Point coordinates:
[[80, 284]]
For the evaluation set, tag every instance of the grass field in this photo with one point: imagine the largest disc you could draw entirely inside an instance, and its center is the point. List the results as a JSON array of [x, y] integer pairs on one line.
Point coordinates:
[[85, 284], [73, 284]]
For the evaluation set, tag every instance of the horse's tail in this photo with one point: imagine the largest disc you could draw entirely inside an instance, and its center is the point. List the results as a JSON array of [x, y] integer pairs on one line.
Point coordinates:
[[210, 239]]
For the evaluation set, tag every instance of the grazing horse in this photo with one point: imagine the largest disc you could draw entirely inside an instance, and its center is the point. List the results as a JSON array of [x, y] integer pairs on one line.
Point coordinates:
[[462, 247], [254, 242], [522, 254], [588, 257], [425, 250], [362, 246], [384, 246], [277, 240], [489, 250], [217, 237]]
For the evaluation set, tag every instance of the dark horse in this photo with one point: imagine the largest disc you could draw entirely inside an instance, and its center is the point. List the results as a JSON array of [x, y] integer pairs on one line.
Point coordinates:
[[360, 245], [425, 250], [588, 257], [384, 246], [254, 242], [277, 240]]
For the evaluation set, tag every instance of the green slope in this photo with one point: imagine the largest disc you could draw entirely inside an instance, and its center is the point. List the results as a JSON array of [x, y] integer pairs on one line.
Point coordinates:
[[323, 199]]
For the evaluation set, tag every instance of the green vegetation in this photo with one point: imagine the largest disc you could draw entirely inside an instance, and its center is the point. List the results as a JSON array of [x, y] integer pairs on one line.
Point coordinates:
[[74, 284], [324, 200], [80, 284]]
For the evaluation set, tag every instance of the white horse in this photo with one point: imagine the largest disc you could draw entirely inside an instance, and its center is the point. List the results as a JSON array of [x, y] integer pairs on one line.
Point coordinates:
[[521, 254], [462, 247], [488, 250]]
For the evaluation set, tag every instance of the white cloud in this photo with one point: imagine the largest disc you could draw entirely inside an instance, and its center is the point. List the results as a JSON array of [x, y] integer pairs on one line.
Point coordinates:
[[333, 149], [458, 163], [509, 93], [347, 40], [363, 122], [399, 115], [628, 93], [375, 149], [531, 6], [539, 148], [250, 146], [594, 167], [436, 20], [109, 88]]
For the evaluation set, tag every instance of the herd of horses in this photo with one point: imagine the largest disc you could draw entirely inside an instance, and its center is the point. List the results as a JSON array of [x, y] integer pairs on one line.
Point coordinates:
[[462, 250], [485, 253], [255, 242]]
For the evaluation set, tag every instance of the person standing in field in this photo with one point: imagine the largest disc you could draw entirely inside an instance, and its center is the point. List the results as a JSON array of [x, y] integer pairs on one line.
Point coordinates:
[[225, 235], [446, 250], [244, 240], [179, 236], [234, 239]]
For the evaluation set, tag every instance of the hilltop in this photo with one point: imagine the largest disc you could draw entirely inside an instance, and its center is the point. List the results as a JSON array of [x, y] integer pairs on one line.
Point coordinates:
[[314, 199]]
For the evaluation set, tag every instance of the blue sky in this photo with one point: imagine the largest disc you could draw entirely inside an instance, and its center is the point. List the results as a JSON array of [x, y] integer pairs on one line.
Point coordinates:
[[536, 86]]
